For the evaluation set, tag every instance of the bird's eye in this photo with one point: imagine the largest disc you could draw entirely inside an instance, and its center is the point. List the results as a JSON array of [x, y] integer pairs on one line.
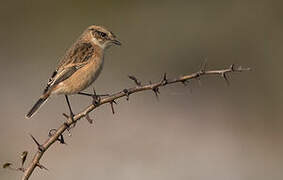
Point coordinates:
[[102, 34]]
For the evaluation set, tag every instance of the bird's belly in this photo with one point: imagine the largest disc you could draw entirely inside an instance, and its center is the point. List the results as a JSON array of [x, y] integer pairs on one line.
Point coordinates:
[[81, 79]]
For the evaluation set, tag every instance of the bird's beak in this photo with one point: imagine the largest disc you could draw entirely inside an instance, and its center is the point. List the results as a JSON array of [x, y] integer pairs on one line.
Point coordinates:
[[116, 42]]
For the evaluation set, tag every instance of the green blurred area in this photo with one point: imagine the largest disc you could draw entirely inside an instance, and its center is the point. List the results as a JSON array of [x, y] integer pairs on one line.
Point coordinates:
[[215, 132]]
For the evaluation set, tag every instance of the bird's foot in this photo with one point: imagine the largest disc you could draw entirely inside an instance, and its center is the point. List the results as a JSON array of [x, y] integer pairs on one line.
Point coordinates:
[[70, 123], [95, 97]]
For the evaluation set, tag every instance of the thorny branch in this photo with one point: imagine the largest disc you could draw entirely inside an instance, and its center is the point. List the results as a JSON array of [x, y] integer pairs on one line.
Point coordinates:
[[57, 134]]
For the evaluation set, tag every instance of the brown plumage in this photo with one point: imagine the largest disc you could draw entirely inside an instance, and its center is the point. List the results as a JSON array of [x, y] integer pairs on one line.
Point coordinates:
[[80, 66]]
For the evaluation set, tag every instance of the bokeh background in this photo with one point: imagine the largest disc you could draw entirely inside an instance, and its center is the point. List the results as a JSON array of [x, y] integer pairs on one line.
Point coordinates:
[[197, 132]]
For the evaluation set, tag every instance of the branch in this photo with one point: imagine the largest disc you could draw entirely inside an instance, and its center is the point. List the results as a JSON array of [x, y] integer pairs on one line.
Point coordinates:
[[57, 134]]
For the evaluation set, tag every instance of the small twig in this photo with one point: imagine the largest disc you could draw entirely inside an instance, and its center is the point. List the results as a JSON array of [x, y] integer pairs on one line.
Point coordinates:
[[164, 79], [135, 80], [65, 115], [24, 157], [8, 165], [39, 146]]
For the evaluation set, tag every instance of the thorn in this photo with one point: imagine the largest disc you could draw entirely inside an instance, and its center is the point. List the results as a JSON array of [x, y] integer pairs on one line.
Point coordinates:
[[61, 139], [65, 115], [203, 66], [7, 165], [135, 80], [126, 91], [112, 107], [164, 80], [232, 67], [156, 92], [89, 119], [114, 102], [72, 120], [21, 169], [94, 92], [224, 75], [41, 166], [164, 76], [39, 146], [24, 157]]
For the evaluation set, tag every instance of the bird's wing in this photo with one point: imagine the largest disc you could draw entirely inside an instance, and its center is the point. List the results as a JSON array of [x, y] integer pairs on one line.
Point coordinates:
[[74, 59], [78, 53]]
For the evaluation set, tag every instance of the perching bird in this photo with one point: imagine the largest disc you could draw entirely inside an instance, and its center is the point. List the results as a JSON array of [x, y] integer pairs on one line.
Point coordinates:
[[80, 66]]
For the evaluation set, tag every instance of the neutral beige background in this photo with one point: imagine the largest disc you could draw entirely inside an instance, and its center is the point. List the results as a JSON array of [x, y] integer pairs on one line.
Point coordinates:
[[216, 132]]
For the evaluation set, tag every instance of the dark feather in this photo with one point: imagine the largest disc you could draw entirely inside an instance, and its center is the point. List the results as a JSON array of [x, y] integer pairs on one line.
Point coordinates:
[[37, 105]]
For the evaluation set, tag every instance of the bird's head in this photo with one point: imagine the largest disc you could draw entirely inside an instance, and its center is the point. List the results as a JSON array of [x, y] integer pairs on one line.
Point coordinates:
[[102, 37]]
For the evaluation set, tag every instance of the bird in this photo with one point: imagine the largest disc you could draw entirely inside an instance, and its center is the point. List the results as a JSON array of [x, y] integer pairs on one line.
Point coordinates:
[[79, 67]]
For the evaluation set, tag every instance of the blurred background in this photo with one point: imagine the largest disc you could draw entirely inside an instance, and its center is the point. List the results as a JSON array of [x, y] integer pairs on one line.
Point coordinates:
[[196, 132]]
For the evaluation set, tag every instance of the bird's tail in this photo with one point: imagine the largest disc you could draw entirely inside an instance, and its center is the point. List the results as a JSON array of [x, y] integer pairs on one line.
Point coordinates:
[[37, 105]]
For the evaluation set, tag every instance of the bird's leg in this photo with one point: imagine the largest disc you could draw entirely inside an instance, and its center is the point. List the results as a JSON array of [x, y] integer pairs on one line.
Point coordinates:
[[95, 97], [70, 109]]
